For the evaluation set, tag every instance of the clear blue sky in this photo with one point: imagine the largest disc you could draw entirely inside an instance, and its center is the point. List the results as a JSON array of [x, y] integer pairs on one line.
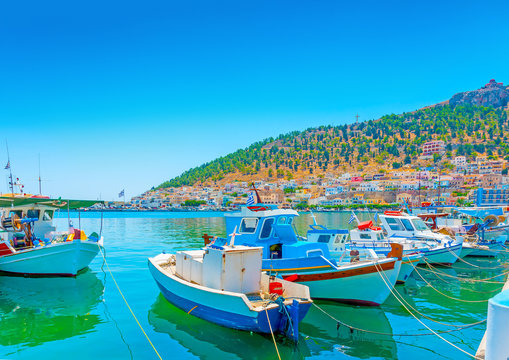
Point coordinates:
[[128, 94]]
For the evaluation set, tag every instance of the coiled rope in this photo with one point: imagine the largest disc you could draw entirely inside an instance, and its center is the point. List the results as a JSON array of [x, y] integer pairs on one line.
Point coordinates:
[[127, 304], [382, 275]]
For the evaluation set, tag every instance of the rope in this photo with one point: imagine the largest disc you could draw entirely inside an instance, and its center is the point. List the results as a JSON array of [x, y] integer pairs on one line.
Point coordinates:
[[125, 300], [473, 265], [472, 290], [382, 275], [272, 333], [486, 280], [448, 296], [339, 322]]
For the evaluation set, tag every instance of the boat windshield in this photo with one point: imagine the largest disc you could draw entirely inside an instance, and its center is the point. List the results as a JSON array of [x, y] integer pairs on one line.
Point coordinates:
[[420, 225]]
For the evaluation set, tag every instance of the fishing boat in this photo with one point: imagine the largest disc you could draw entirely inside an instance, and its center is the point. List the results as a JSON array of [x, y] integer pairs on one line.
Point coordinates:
[[403, 228], [225, 285], [368, 242], [486, 227], [30, 244], [285, 253]]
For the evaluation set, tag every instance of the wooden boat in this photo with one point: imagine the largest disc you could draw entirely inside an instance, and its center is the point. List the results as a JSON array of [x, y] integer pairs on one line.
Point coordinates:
[[30, 245], [366, 241], [364, 282], [225, 285]]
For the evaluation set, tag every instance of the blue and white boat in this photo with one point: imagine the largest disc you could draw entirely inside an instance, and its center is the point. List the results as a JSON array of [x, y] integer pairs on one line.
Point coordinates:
[[225, 285], [364, 282], [408, 230], [363, 242]]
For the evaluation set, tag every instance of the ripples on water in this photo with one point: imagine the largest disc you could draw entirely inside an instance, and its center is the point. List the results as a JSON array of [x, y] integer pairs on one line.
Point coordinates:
[[86, 317]]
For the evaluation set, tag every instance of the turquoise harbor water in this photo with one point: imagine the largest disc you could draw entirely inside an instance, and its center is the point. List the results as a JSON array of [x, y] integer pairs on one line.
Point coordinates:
[[86, 318]]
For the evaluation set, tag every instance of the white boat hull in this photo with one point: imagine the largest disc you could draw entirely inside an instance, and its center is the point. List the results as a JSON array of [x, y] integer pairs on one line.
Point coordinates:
[[371, 288], [407, 267], [62, 259], [447, 255]]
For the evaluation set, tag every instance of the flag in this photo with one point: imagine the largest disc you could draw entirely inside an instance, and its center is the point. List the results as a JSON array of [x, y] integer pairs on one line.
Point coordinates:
[[8, 166], [250, 199], [120, 194], [375, 217], [352, 218]]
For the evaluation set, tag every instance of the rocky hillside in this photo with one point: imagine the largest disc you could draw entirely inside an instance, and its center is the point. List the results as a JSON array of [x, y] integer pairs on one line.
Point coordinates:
[[391, 142], [492, 94]]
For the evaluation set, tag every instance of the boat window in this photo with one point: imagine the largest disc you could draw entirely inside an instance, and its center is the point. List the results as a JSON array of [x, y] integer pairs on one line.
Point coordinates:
[[33, 214], [266, 228], [420, 225], [281, 220], [16, 212], [315, 252], [248, 225], [290, 220], [365, 236], [379, 236], [324, 238], [394, 224], [339, 239], [407, 225], [48, 215]]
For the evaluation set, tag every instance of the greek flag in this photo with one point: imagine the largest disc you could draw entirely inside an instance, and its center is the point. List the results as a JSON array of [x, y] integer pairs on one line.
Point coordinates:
[[250, 199], [375, 217], [352, 218], [120, 194]]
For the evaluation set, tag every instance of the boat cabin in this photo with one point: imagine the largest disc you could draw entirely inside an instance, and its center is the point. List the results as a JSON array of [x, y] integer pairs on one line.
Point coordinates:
[[273, 230], [397, 223], [41, 215], [336, 239]]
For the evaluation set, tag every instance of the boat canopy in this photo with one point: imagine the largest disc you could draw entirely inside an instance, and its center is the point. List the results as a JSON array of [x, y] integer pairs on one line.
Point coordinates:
[[481, 213], [54, 203]]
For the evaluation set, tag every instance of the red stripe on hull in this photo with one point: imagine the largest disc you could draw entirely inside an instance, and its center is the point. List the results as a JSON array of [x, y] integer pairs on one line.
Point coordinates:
[[342, 274]]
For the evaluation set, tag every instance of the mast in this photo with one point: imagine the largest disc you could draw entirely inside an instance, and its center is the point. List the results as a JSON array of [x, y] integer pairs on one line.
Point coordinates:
[[8, 166]]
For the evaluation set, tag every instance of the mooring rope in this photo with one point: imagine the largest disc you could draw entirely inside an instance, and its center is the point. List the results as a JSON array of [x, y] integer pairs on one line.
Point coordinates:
[[448, 296], [473, 265], [468, 289], [339, 322], [127, 304], [416, 318], [486, 280], [272, 333]]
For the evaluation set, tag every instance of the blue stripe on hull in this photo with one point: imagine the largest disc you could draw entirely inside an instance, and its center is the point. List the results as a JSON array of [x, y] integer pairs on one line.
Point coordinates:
[[231, 320]]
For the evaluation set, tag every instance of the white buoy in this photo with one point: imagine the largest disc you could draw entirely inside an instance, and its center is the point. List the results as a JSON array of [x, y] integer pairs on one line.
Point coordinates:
[[497, 329]]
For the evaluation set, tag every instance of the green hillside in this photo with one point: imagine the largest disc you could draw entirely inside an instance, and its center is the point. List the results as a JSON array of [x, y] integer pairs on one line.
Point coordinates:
[[387, 143]]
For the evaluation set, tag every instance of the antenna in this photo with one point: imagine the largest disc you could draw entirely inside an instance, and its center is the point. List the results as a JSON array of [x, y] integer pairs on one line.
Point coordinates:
[[40, 188]]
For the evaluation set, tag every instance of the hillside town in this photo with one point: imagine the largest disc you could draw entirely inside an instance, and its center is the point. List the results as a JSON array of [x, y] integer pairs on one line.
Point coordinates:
[[481, 182]]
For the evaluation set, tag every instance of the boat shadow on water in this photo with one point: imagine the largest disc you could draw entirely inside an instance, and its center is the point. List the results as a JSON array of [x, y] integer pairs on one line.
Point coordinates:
[[319, 334], [323, 335], [37, 310], [210, 341]]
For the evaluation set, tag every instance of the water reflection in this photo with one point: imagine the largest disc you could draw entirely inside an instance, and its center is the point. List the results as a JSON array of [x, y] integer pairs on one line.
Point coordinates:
[[323, 335], [36, 310], [211, 341]]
